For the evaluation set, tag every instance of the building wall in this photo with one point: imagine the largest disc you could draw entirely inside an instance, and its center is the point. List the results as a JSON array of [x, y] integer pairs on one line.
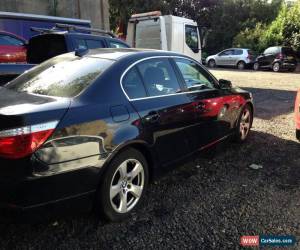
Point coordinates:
[[95, 10]]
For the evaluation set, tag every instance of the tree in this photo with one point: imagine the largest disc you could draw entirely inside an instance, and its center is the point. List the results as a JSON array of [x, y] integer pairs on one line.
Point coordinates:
[[284, 30]]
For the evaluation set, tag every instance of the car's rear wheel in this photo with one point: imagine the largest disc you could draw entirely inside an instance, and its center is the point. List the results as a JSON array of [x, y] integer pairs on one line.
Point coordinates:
[[256, 66], [276, 67], [212, 63], [241, 65], [123, 185], [244, 124]]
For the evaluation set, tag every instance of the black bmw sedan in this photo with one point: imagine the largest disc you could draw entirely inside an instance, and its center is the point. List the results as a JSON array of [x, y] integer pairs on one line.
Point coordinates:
[[88, 130]]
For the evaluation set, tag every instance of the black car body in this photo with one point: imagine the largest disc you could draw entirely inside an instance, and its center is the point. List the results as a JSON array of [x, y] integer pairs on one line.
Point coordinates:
[[67, 122], [47, 45], [276, 58]]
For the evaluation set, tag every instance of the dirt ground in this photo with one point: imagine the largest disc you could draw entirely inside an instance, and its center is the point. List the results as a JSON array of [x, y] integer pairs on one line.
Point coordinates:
[[210, 202]]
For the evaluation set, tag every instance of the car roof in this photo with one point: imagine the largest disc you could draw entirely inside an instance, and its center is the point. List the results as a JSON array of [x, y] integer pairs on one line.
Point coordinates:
[[118, 53], [239, 48]]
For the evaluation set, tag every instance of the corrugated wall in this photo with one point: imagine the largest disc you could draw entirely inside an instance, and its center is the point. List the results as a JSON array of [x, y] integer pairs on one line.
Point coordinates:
[[95, 10]]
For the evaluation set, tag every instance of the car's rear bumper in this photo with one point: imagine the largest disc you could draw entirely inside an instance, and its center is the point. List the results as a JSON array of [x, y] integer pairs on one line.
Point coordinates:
[[39, 198], [11, 213]]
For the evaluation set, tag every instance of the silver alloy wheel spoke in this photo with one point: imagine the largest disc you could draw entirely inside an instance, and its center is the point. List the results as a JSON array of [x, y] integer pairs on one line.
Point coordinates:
[[245, 124], [135, 171], [123, 170], [123, 202], [136, 190], [114, 190], [246, 116]]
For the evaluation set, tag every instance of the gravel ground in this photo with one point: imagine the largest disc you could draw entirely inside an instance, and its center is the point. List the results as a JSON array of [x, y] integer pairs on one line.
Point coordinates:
[[209, 202]]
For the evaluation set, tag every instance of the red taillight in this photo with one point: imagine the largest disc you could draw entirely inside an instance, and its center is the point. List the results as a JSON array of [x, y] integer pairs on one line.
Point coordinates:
[[20, 142]]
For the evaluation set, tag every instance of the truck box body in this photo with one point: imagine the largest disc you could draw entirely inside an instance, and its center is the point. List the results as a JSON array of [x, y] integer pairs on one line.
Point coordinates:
[[168, 32]]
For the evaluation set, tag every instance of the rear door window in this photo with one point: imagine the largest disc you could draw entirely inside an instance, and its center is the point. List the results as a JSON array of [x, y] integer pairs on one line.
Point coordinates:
[[80, 44], [94, 44], [114, 44], [88, 43], [238, 52], [62, 76], [159, 77], [133, 84]]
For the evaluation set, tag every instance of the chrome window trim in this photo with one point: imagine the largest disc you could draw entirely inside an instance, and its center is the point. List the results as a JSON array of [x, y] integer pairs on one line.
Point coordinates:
[[159, 96]]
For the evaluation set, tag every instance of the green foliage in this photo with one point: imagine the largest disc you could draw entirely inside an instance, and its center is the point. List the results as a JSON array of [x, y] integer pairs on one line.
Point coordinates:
[[251, 38], [284, 30]]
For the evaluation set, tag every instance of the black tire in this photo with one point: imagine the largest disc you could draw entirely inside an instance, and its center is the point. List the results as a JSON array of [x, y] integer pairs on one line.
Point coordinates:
[[103, 201], [238, 137], [241, 65], [212, 63], [276, 67], [298, 134], [256, 66]]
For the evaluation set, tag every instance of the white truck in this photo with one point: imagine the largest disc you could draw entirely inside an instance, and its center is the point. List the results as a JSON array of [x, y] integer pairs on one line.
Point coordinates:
[[153, 31]]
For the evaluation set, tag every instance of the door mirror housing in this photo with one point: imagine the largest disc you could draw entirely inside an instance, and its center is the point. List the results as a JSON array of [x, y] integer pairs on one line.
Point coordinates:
[[225, 84]]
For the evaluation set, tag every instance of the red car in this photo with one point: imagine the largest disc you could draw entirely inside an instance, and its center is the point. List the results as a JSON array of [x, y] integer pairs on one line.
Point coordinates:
[[12, 48], [297, 115]]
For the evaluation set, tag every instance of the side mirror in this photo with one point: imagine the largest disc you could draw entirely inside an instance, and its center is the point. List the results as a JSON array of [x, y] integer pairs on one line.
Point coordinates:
[[195, 50], [225, 84]]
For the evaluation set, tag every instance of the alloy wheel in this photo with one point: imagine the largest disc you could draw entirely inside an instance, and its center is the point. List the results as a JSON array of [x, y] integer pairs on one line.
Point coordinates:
[[212, 63], [241, 65], [245, 124], [127, 185], [256, 66], [276, 67]]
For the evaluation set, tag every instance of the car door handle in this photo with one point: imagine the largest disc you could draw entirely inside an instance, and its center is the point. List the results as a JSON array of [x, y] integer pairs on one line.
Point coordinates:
[[152, 117]]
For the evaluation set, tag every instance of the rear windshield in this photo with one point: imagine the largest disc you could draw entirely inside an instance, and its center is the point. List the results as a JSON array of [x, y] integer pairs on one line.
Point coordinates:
[[62, 76], [44, 47]]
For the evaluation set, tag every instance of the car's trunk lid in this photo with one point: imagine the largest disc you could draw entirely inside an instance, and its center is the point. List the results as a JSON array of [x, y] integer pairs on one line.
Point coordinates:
[[21, 108]]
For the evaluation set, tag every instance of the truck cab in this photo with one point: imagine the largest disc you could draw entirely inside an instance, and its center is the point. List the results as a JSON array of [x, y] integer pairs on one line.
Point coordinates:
[[172, 33]]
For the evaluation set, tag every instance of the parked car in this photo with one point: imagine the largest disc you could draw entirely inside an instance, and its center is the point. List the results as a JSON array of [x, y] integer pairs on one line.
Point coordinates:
[[51, 43], [235, 57], [297, 115], [83, 130], [12, 48], [276, 58]]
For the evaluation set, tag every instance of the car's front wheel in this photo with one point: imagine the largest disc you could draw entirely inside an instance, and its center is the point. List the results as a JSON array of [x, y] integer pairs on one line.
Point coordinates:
[[123, 185], [244, 124], [276, 67], [212, 63]]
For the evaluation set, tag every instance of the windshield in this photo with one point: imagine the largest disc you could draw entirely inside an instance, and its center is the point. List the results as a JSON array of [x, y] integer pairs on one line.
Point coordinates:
[[62, 76]]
